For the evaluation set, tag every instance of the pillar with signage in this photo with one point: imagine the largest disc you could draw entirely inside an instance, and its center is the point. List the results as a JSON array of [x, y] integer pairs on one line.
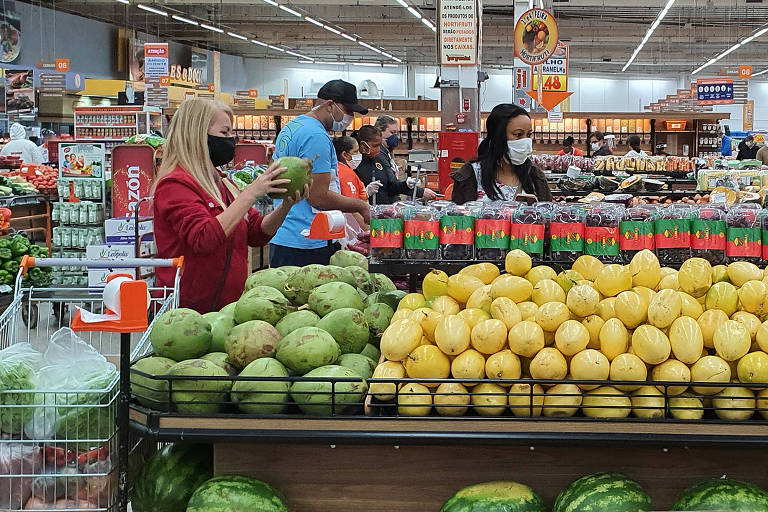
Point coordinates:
[[459, 23]]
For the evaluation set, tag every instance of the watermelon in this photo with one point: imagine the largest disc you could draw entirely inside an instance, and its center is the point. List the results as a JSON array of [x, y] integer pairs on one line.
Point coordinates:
[[723, 494], [168, 479], [495, 497], [603, 492], [236, 494]]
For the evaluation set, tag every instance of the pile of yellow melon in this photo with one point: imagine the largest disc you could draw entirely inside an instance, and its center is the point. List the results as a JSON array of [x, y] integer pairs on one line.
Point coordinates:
[[633, 324]]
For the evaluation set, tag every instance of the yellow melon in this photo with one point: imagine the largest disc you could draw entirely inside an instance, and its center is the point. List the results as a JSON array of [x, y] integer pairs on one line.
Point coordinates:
[[614, 338], [762, 403], [646, 294], [401, 314], [451, 399], [545, 291], [528, 310], [400, 338], [710, 320], [686, 408], [567, 279], [429, 324], [420, 314], [506, 310], [480, 299], [446, 305], [461, 286], [613, 279], [590, 364], [486, 272], [732, 340], [648, 403], [719, 273], [753, 297], [489, 399], [525, 402], [582, 300], [753, 367], [710, 369], [761, 336], [549, 363], [452, 335], [489, 336], [470, 364], [474, 316], [412, 301], [686, 339], [734, 404], [503, 365], [628, 367], [517, 262], [606, 402], [695, 277], [512, 287], [650, 344], [749, 321], [551, 315], [571, 337], [671, 370], [607, 308], [386, 370], [668, 282], [645, 269], [739, 272], [630, 309], [540, 272], [526, 338], [723, 296], [588, 266], [594, 324], [427, 362], [664, 308], [414, 400], [690, 306], [562, 401], [435, 284]]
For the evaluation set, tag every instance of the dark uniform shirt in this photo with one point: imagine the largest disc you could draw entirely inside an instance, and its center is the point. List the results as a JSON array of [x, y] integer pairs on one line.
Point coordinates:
[[379, 168]]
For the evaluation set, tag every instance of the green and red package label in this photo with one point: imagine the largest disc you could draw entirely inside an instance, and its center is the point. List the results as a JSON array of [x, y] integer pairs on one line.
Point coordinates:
[[601, 241], [491, 234], [527, 237], [708, 234], [672, 233], [765, 244], [386, 232], [744, 242], [636, 235], [457, 229], [422, 234], [566, 236]]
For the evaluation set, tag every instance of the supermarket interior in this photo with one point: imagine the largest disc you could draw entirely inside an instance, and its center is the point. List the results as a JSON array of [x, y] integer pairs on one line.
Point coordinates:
[[383, 255]]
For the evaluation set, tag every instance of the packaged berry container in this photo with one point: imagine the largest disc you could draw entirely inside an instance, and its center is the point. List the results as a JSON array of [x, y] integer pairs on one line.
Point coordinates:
[[636, 230], [601, 231], [422, 228], [492, 233], [708, 229], [528, 231], [386, 232], [672, 231], [566, 232], [743, 234], [457, 233], [441, 205]]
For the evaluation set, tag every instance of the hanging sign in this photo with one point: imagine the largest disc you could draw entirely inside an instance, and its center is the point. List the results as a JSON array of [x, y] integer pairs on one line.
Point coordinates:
[[745, 71], [457, 31], [536, 36], [714, 91], [156, 60], [19, 91], [81, 160], [554, 72]]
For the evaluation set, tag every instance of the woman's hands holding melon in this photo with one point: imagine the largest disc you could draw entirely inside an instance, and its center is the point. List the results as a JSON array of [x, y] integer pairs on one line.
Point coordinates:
[[288, 202], [267, 182]]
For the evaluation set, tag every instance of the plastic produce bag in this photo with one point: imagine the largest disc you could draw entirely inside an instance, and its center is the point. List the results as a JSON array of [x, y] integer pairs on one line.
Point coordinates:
[[19, 364], [74, 374], [18, 459]]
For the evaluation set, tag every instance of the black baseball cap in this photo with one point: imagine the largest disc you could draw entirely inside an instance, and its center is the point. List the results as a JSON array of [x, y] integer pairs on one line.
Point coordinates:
[[342, 92], [749, 137]]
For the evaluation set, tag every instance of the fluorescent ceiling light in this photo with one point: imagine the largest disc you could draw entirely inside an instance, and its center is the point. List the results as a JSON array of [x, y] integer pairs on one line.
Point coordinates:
[[648, 34], [184, 20], [396, 59], [731, 49], [298, 55], [152, 10], [289, 10], [402, 3], [366, 45], [347, 36], [313, 21], [259, 43], [428, 24], [214, 29], [373, 64], [760, 73], [413, 11], [126, 2], [275, 48], [270, 2], [237, 36], [331, 29]]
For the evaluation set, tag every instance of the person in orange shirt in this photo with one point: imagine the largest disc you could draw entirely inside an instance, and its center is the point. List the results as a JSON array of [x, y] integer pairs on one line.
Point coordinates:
[[349, 156], [568, 148]]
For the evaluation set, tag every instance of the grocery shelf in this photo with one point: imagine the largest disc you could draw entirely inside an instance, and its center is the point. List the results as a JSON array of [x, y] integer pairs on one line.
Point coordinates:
[[107, 125]]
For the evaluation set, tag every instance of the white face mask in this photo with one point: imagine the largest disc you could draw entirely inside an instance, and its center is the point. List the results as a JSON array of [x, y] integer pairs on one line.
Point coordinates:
[[519, 150], [595, 146], [356, 159], [340, 126]]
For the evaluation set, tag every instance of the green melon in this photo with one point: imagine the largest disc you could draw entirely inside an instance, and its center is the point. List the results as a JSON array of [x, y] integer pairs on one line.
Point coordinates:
[[196, 396], [348, 327], [371, 351], [221, 325], [602, 492], [297, 320], [495, 497], [332, 296], [382, 283], [149, 392], [349, 259], [261, 303], [359, 363], [302, 282], [298, 170], [329, 397], [723, 494], [180, 334], [236, 494], [262, 396], [307, 348], [168, 479], [272, 277], [221, 359]]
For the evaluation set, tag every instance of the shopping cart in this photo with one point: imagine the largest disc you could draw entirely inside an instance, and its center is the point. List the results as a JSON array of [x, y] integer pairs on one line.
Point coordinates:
[[69, 448]]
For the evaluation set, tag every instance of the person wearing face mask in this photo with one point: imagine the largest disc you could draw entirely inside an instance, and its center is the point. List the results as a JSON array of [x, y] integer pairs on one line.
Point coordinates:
[[634, 143], [199, 214], [348, 153], [747, 149], [598, 145], [306, 136], [502, 169], [382, 184], [390, 140], [568, 148]]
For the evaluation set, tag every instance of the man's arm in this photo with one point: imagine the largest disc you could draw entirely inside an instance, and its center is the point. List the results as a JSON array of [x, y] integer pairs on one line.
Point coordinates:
[[322, 198]]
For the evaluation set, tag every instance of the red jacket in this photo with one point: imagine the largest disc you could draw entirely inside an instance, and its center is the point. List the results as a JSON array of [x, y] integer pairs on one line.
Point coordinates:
[[186, 225]]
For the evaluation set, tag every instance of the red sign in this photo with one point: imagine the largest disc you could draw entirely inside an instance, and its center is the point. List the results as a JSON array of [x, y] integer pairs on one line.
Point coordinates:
[[466, 104], [521, 78], [745, 71], [132, 175], [62, 65], [253, 93], [461, 118], [211, 88]]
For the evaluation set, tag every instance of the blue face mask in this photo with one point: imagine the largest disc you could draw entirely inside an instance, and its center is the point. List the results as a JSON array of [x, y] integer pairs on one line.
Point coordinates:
[[392, 141]]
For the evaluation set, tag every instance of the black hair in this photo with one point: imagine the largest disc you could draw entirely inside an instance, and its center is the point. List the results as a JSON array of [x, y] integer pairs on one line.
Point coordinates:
[[494, 148], [598, 136], [634, 142], [366, 133], [568, 142], [342, 144], [34, 138], [727, 130]]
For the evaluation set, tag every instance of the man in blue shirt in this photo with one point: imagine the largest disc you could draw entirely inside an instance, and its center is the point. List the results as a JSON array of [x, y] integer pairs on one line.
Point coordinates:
[[306, 136], [726, 148]]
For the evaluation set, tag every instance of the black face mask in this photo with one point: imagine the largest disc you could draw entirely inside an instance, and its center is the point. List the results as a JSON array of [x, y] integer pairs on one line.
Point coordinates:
[[221, 149]]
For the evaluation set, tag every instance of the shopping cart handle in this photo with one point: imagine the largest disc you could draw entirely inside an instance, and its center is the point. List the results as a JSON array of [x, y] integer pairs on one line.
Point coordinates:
[[28, 262]]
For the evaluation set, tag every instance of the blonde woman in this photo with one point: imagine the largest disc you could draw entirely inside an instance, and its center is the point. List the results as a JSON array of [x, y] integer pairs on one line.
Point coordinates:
[[200, 215]]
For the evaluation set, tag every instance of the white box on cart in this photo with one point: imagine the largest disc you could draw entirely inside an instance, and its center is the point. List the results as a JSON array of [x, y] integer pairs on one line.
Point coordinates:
[[123, 230]]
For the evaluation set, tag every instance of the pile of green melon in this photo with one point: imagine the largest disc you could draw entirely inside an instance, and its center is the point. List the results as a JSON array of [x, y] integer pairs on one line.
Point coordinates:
[[318, 321]]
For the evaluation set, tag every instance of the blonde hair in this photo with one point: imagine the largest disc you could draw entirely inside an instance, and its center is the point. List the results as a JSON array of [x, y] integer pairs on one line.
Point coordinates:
[[187, 144]]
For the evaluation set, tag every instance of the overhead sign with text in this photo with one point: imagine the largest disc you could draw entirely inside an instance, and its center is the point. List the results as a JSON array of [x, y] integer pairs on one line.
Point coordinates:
[[536, 36], [554, 72], [714, 91], [457, 31]]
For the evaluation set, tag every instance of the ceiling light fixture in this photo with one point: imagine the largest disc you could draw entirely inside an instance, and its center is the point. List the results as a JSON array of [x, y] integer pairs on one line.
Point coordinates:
[[649, 33], [259, 43], [428, 24], [271, 2], [415, 13], [275, 48], [289, 10], [733, 48], [213, 29], [760, 73], [126, 2], [184, 20], [237, 36], [403, 3], [331, 29], [298, 55], [313, 21], [152, 10], [347, 36]]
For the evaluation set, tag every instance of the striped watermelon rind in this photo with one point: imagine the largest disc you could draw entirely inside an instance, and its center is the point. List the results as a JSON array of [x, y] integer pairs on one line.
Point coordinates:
[[169, 478], [603, 492], [723, 494], [502, 496], [236, 494]]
